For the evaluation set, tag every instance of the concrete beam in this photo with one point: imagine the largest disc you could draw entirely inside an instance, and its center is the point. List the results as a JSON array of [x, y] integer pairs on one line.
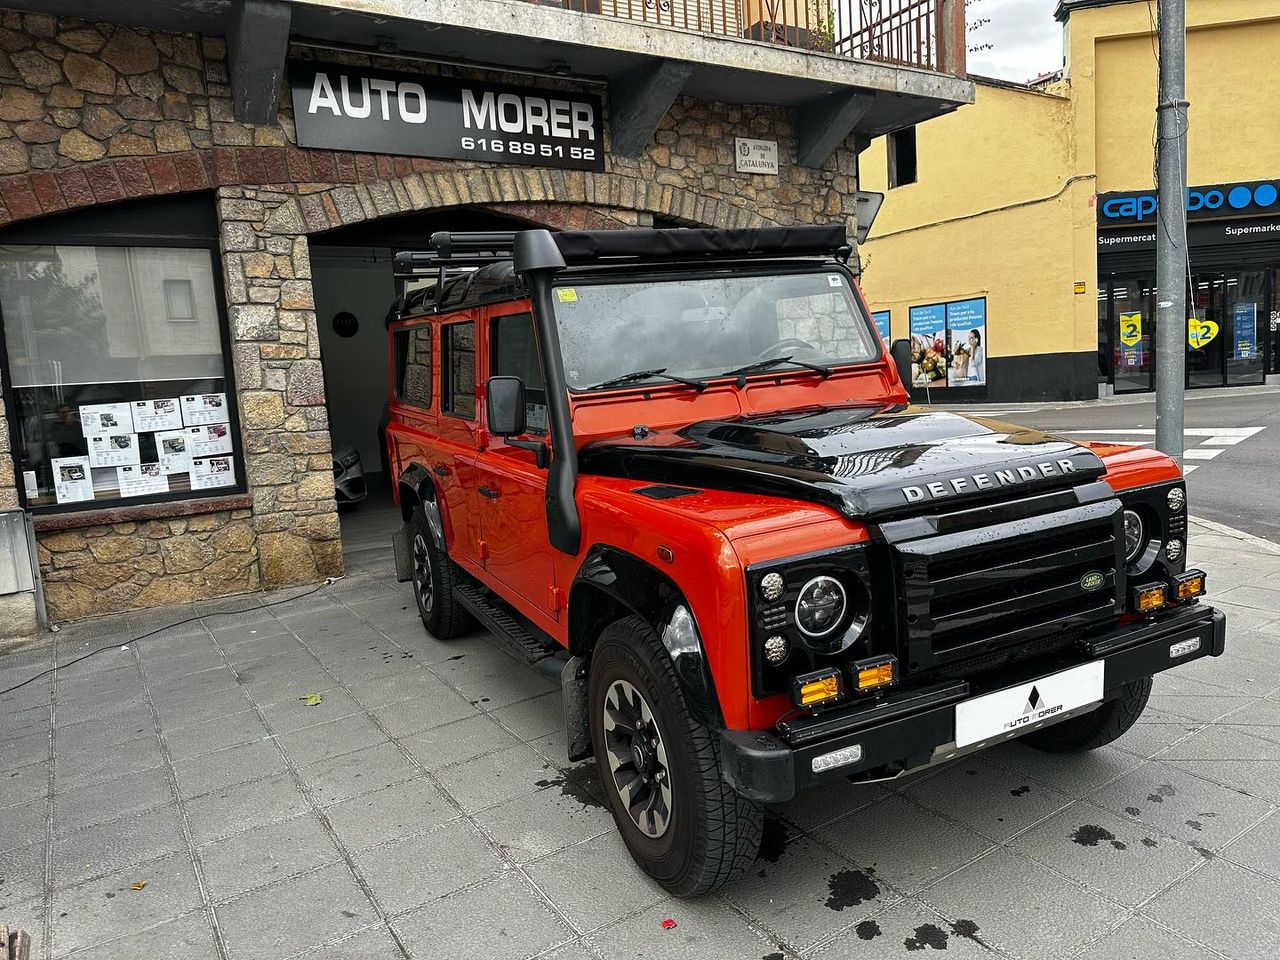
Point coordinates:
[[823, 124], [257, 41], [640, 99]]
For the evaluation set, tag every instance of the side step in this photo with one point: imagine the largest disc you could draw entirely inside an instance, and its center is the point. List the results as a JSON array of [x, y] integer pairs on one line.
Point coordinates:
[[501, 623]]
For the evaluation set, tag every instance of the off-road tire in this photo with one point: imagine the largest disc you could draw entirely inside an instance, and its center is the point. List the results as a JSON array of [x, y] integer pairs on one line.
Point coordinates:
[[713, 834], [1096, 728], [441, 613]]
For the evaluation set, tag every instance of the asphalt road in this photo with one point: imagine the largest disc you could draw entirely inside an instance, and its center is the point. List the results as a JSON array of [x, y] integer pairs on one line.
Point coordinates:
[[1236, 475]]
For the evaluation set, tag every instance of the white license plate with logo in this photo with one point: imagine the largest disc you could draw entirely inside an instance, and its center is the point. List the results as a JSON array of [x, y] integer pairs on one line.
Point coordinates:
[[1022, 707]]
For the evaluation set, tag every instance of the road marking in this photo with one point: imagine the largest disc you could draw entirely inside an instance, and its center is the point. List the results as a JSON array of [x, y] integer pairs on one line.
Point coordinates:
[[1204, 443]]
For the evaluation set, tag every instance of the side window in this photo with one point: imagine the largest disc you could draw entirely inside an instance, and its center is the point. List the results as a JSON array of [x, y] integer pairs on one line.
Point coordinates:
[[515, 354], [458, 370], [412, 359]]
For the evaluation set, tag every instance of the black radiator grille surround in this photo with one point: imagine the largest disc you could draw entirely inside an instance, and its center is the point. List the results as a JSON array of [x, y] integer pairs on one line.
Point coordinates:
[[1032, 574]]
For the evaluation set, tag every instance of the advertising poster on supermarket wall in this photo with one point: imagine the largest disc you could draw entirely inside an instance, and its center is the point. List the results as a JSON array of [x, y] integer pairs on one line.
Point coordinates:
[[881, 319], [967, 335], [928, 327]]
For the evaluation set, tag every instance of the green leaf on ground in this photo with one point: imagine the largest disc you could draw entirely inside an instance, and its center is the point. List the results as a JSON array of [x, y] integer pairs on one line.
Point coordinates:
[[312, 699]]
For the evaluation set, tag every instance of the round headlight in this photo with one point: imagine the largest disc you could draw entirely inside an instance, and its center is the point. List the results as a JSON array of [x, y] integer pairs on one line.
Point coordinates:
[[1135, 536], [820, 606], [1176, 498], [776, 649], [771, 587], [1173, 550]]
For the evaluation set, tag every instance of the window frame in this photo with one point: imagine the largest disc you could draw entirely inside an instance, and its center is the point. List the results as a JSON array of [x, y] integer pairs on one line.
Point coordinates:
[[895, 176], [154, 226], [445, 354], [494, 320], [399, 365]]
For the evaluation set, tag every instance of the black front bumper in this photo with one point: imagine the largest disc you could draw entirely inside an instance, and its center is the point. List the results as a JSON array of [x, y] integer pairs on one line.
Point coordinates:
[[913, 728]]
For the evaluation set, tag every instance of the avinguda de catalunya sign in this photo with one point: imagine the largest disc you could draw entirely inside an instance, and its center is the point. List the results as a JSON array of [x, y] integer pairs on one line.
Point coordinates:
[[375, 111]]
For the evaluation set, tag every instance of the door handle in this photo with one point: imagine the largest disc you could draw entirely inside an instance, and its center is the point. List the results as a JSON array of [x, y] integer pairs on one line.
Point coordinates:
[[487, 492], [440, 470]]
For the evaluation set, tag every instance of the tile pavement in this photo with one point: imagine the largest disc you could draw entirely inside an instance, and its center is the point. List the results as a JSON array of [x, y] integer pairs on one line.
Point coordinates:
[[178, 797]]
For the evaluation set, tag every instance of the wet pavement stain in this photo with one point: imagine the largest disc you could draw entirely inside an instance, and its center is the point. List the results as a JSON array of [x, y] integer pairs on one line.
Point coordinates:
[[848, 888], [927, 935], [1132, 811], [1195, 824], [773, 956], [969, 931], [867, 930], [1090, 835], [773, 839], [581, 784], [1207, 854], [1020, 791], [1162, 791]]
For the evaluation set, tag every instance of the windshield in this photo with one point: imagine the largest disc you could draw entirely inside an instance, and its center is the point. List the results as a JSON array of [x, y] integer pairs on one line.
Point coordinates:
[[702, 327]]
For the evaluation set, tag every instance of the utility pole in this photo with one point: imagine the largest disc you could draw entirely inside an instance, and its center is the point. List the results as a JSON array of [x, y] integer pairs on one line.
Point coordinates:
[[1171, 233]]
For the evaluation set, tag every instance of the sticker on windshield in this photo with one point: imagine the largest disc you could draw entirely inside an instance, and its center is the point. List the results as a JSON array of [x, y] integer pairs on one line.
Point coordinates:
[[567, 294], [833, 279]]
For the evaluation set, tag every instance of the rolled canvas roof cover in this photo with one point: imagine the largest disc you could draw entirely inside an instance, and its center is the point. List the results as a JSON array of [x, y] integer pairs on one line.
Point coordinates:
[[586, 246]]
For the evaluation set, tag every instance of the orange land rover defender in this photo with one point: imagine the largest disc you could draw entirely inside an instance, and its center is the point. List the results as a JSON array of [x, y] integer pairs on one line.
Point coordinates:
[[679, 469]]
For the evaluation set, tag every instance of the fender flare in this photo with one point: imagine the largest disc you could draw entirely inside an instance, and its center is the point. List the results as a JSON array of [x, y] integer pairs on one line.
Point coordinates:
[[636, 586], [418, 480]]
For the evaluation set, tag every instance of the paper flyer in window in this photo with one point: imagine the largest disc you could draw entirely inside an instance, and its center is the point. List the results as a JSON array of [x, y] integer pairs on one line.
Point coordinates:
[[202, 408], [106, 419], [72, 479], [141, 480], [116, 451], [212, 472], [209, 441], [31, 484], [174, 451], [149, 415]]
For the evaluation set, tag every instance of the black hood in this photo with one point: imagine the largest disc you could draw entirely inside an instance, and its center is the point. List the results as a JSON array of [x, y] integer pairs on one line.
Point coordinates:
[[866, 462]]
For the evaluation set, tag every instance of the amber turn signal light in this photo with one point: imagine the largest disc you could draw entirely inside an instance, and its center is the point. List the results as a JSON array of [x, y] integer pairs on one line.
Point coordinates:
[[1189, 585], [1149, 597], [817, 689], [874, 674]]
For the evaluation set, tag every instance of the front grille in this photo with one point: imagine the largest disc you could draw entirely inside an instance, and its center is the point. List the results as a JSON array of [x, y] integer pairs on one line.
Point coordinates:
[[981, 588]]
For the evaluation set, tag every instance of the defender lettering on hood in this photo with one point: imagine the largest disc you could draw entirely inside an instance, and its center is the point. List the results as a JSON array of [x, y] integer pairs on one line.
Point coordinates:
[[867, 462], [988, 481]]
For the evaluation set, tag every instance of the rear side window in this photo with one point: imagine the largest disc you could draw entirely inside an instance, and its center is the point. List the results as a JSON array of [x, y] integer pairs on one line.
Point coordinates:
[[515, 354], [412, 366], [458, 370]]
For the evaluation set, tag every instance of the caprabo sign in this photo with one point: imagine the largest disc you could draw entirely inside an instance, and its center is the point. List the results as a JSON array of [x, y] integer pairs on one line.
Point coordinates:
[[1221, 200], [373, 111]]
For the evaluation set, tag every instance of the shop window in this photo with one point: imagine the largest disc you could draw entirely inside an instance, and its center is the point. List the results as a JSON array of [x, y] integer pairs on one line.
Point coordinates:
[[412, 359], [902, 157], [110, 401], [458, 370], [515, 354]]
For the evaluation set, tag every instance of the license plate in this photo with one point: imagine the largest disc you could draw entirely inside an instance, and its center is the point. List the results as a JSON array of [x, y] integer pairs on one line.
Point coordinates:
[[1023, 706]]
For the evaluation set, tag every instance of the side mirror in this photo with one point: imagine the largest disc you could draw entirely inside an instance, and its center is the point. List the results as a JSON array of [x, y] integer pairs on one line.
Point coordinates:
[[504, 404], [901, 354]]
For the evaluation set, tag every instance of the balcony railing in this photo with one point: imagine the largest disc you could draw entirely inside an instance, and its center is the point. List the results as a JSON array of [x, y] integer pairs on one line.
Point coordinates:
[[928, 34]]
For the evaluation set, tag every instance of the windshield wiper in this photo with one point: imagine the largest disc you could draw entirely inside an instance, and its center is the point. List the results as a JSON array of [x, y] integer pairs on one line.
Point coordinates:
[[639, 375], [762, 365]]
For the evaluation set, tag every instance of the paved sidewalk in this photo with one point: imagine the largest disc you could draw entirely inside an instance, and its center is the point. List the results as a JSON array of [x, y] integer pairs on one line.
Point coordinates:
[[183, 797]]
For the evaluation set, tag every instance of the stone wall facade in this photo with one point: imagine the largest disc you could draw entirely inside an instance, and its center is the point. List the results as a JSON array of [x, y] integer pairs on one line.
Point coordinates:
[[95, 113]]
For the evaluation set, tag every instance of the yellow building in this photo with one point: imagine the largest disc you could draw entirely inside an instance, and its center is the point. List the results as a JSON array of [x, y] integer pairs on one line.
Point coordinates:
[[1030, 216]]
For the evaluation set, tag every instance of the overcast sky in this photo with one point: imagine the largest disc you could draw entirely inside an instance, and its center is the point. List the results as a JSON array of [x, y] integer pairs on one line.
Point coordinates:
[[1026, 40]]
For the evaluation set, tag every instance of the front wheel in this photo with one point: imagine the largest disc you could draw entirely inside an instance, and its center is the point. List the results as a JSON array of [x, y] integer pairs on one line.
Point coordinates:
[[434, 577], [682, 823], [1098, 727]]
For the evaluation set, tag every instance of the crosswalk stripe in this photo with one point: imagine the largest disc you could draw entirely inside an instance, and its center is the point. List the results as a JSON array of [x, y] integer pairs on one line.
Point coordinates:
[[1200, 453], [1243, 433]]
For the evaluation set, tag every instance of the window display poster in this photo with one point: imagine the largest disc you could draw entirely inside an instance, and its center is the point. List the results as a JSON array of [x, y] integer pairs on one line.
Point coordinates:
[[174, 452], [1131, 339], [149, 415], [106, 419], [31, 484], [141, 480], [1245, 321], [115, 451], [881, 319], [202, 408], [209, 441], [928, 327], [967, 333], [212, 472], [72, 479]]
